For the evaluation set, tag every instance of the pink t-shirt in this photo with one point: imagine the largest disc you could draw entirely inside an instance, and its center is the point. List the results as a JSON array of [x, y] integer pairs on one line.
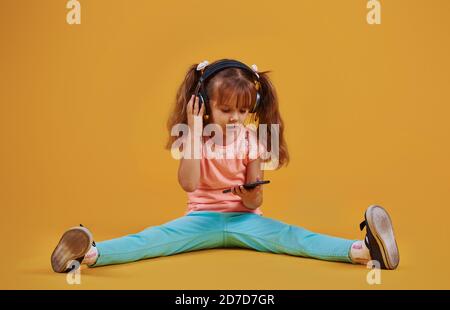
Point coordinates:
[[218, 174]]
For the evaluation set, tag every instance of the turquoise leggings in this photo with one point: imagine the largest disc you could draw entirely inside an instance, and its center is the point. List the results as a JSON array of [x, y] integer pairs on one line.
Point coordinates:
[[207, 230]]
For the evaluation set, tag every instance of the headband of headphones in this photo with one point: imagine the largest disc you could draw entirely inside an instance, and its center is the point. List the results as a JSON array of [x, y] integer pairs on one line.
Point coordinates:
[[209, 71]]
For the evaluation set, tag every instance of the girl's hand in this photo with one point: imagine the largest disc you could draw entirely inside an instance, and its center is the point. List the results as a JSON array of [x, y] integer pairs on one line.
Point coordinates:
[[252, 198], [193, 112]]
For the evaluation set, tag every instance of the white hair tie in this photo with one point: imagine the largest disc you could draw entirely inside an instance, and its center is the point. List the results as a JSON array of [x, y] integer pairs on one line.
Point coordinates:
[[255, 69], [202, 65]]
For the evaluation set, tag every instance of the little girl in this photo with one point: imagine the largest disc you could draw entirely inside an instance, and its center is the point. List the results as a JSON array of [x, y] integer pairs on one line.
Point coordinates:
[[221, 98]]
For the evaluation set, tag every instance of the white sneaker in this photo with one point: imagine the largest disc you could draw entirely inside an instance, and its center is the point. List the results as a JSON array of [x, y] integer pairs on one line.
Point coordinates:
[[380, 237]]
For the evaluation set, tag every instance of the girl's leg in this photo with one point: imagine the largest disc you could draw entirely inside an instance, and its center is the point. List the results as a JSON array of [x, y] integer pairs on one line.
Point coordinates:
[[195, 231], [269, 235]]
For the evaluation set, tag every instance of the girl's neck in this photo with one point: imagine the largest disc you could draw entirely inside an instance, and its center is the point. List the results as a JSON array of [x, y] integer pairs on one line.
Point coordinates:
[[233, 136]]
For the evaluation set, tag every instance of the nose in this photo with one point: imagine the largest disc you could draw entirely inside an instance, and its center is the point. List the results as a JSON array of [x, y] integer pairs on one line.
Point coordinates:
[[233, 117]]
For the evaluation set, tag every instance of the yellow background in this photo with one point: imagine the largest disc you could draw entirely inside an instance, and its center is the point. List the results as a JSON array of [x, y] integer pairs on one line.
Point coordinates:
[[83, 112]]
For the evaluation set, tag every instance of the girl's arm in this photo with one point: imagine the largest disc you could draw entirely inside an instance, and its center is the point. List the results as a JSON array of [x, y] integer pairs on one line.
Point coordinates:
[[253, 198], [189, 169]]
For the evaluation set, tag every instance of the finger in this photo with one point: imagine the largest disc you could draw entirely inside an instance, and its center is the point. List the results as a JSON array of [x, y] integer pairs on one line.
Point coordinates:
[[254, 189], [233, 190], [189, 105], [239, 189], [196, 106], [243, 190]]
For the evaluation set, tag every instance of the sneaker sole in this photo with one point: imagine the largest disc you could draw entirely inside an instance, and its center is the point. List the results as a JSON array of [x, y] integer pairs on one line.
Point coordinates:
[[74, 243], [380, 225]]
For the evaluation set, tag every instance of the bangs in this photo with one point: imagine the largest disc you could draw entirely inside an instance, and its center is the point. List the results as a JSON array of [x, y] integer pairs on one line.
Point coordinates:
[[232, 93]]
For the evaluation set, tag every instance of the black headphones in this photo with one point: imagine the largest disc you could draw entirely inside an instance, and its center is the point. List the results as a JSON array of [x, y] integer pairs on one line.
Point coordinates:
[[210, 71]]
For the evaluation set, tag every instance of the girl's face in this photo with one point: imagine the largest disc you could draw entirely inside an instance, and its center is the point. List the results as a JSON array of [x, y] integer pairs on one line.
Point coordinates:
[[227, 114]]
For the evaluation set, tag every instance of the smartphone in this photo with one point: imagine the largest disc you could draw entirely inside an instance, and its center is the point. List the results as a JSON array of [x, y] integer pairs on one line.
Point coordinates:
[[249, 185]]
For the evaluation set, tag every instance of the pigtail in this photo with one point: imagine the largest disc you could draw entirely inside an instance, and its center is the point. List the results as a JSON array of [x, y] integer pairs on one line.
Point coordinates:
[[184, 93], [268, 113]]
